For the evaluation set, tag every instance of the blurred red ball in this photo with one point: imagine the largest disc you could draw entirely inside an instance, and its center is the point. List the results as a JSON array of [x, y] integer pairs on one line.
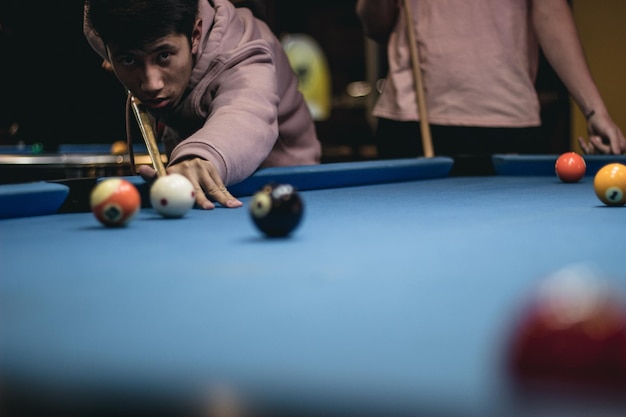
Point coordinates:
[[573, 330]]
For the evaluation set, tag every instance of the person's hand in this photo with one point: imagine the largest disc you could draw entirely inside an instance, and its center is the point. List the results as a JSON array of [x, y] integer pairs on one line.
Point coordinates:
[[205, 179], [605, 137]]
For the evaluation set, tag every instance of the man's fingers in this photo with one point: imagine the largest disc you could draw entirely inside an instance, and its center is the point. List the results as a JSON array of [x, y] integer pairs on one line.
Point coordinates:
[[220, 194], [215, 188], [203, 201], [584, 145], [207, 183], [619, 145], [147, 172], [231, 200], [599, 144]]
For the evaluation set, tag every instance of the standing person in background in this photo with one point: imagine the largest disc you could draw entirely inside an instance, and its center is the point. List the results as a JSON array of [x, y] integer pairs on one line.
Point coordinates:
[[217, 81], [479, 62]]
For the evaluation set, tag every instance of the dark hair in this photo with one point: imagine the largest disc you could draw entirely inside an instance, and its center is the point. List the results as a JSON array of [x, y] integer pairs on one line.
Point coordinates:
[[133, 23]]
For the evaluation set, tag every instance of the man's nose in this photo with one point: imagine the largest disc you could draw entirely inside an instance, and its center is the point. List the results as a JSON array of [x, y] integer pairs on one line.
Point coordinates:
[[152, 79]]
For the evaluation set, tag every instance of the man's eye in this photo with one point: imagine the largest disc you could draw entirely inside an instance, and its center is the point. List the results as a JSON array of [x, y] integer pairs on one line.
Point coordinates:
[[127, 61], [164, 56]]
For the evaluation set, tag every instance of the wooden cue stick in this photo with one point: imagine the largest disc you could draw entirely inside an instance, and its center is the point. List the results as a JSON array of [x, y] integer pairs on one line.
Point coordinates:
[[145, 125], [427, 141]]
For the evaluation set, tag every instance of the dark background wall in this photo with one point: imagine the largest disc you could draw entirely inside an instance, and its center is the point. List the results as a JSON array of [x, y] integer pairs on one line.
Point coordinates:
[[51, 82]]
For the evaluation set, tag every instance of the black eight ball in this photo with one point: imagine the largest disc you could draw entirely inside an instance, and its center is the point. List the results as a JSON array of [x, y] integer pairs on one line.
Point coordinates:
[[276, 209]]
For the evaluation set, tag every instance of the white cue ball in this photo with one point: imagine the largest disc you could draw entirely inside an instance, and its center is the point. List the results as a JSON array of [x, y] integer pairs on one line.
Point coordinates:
[[172, 195]]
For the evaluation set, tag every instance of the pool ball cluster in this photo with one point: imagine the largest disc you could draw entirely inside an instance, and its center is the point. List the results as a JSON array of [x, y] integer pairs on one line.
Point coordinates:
[[571, 331], [609, 182], [115, 201], [275, 209]]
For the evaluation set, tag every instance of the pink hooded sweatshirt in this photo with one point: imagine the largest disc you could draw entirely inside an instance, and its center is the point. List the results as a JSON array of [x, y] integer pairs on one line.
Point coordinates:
[[243, 109], [479, 59]]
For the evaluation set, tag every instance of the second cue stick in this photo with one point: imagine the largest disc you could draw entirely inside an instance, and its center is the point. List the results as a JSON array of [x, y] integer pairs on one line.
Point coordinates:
[[427, 141], [145, 125]]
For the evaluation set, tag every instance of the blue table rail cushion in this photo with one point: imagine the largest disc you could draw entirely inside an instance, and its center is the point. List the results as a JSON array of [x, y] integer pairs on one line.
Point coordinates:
[[346, 174], [31, 199], [544, 164]]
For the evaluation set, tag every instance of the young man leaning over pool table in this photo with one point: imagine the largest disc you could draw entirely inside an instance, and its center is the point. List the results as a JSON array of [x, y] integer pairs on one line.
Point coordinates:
[[218, 82]]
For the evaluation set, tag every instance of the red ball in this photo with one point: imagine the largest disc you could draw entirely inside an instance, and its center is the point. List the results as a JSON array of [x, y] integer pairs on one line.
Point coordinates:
[[572, 332], [114, 202], [570, 167]]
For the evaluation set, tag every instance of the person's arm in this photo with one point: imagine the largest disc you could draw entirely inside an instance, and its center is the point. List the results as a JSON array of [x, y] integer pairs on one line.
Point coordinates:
[[240, 106], [558, 37], [241, 126], [378, 17]]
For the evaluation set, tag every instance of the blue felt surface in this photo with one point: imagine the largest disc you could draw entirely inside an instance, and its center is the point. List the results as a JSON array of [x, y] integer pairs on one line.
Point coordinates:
[[391, 296]]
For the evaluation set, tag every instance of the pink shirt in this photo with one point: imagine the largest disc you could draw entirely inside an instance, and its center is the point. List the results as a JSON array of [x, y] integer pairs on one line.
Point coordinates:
[[479, 60]]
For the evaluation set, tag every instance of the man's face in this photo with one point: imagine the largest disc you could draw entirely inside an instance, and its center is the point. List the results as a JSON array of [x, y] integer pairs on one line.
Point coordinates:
[[158, 73]]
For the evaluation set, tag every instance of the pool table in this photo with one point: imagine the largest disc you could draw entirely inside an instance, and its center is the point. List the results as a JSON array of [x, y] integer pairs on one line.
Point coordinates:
[[397, 295]]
